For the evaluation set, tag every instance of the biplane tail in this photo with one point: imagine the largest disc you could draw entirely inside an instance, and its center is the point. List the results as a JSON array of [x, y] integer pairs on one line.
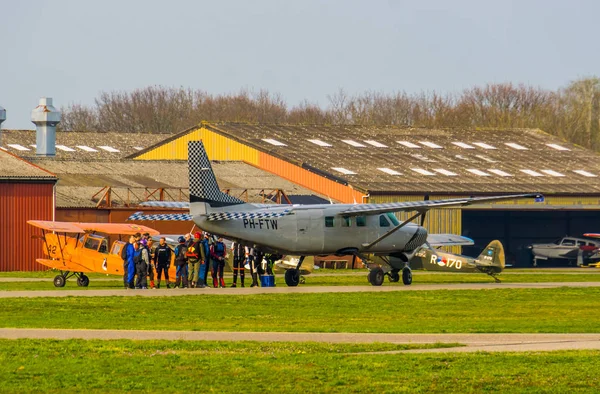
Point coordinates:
[[204, 190], [492, 257]]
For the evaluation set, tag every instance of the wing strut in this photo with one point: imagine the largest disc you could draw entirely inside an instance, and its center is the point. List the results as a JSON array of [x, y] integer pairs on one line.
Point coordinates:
[[392, 231]]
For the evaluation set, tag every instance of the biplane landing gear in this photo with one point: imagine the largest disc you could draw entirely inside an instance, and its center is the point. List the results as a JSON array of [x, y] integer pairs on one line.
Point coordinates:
[[406, 276], [376, 276], [83, 281], [394, 276], [59, 281]]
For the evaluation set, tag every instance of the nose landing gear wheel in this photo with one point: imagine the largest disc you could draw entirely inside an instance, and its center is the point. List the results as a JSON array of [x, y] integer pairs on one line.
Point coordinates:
[[292, 277], [406, 276], [59, 281], [83, 281], [376, 276]]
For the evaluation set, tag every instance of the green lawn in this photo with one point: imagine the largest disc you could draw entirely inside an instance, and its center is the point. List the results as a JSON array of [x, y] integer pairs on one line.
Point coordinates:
[[438, 311], [332, 278], [249, 367]]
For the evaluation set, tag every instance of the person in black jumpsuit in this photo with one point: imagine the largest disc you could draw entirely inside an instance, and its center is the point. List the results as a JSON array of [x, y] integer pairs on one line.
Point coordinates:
[[162, 261], [239, 258]]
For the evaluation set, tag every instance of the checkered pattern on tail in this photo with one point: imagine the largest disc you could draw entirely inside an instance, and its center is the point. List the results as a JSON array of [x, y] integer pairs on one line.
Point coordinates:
[[246, 215], [161, 216], [203, 184]]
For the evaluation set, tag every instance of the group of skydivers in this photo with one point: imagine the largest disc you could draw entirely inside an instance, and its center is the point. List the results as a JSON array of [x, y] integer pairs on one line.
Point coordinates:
[[193, 257]]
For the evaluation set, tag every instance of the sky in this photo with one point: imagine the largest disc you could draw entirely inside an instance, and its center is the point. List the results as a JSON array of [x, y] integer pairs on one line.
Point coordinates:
[[304, 50]]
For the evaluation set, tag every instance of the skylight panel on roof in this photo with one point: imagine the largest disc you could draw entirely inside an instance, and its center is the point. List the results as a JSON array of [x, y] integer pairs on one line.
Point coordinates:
[[515, 146], [557, 147], [445, 172], [344, 171], [354, 143], [376, 144], [484, 145], [87, 148], [18, 147], [584, 173], [463, 145], [422, 171], [409, 144], [477, 172], [486, 158], [424, 158], [430, 144], [532, 173], [389, 171], [138, 148], [552, 173], [65, 148], [273, 142], [33, 145], [461, 157], [109, 149], [500, 172], [320, 143]]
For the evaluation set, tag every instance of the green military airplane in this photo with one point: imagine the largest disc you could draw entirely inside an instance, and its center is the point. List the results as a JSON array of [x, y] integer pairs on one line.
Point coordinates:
[[310, 230]]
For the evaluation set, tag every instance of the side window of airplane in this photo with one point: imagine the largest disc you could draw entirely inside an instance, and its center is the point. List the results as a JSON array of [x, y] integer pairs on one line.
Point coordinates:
[[383, 222], [361, 221], [392, 218], [568, 242], [346, 221], [103, 246], [92, 243], [328, 221], [580, 243]]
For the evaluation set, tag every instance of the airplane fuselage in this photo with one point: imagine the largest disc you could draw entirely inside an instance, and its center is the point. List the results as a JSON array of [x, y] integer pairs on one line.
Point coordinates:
[[318, 229]]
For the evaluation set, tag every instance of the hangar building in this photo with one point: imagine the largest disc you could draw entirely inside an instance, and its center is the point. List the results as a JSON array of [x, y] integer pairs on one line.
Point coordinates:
[[384, 164]]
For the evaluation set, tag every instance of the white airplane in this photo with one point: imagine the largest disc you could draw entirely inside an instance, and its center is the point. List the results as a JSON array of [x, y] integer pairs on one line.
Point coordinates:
[[312, 230]]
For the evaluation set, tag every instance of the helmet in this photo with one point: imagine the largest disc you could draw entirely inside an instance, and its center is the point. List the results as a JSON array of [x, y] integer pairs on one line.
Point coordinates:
[[144, 242], [181, 240], [197, 235]]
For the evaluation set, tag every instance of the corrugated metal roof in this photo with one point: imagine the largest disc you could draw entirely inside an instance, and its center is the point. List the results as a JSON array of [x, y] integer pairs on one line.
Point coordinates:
[[81, 145], [13, 167], [481, 167], [80, 180]]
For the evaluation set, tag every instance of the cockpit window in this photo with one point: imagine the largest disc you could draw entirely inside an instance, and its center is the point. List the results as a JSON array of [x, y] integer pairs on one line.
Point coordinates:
[[392, 218], [103, 246], [383, 222], [568, 242], [92, 243]]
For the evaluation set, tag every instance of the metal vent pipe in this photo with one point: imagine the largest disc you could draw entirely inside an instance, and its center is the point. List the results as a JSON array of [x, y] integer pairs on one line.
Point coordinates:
[[2, 119], [46, 118]]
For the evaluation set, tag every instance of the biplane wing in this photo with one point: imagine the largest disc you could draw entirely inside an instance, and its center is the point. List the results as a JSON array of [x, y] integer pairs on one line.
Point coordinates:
[[63, 265], [107, 228]]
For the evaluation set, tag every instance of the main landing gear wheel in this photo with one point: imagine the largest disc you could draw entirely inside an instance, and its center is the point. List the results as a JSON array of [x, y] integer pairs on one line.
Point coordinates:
[[59, 281], [83, 281], [394, 276], [406, 276], [292, 277], [376, 276]]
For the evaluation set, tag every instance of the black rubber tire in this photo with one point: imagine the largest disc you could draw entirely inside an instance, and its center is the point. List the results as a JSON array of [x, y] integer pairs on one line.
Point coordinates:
[[394, 276], [83, 281], [292, 277], [59, 281], [376, 276], [406, 276]]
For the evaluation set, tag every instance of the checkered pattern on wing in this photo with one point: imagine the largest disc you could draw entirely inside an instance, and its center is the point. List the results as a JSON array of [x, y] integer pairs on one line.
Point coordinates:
[[166, 204], [203, 183], [246, 215], [161, 216]]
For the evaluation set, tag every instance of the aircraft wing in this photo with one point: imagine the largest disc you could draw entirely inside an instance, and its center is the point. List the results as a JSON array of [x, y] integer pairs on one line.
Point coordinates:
[[185, 217], [166, 204], [373, 209], [64, 265], [215, 216], [108, 228], [448, 240], [592, 235]]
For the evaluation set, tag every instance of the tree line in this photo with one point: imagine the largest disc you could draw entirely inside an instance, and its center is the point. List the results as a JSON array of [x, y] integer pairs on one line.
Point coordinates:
[[571, 112]]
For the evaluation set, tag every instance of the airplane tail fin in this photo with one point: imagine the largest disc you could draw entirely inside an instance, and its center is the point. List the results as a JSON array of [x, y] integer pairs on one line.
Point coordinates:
[[492, 257], [204, 190]]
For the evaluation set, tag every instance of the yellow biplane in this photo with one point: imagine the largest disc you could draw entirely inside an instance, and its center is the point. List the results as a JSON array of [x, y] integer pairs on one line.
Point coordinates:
[[87, 251]]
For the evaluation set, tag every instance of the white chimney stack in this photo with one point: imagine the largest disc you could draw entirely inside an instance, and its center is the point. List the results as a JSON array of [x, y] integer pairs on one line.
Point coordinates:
[[45, 117], [2, 119]]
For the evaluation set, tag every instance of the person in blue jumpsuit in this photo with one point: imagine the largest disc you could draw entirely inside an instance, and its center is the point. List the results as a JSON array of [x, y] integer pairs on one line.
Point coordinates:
[[131, 250]]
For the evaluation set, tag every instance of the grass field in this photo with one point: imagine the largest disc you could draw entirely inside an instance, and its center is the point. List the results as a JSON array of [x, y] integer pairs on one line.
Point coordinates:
[[326, 278], [162, 366], [558, 310]]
